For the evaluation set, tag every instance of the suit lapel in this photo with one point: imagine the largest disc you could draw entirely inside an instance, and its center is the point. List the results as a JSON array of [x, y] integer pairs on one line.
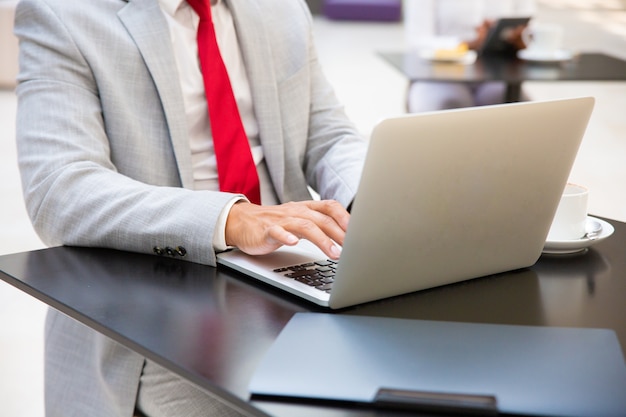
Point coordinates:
[[147, 26], [256, 50]]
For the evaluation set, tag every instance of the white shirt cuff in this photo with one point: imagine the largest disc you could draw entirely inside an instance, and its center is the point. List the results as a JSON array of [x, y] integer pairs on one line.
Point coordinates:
[[219, 235]]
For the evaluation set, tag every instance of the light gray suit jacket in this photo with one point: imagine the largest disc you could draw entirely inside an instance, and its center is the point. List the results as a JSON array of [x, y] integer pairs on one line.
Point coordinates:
[[105, 158]]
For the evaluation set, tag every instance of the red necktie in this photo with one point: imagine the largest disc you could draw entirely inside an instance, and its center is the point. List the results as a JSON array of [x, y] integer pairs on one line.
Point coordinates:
[[236, 170]]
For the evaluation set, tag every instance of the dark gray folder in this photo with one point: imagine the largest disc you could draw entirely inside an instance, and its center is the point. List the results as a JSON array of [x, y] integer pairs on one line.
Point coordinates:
[[451, 366]]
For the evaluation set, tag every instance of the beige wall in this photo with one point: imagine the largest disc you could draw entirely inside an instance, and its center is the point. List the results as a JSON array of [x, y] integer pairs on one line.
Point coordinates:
[[8, 44]]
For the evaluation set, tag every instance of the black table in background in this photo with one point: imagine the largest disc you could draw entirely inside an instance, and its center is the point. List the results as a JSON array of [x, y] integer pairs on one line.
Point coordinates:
[[213, 326], [511, 70]]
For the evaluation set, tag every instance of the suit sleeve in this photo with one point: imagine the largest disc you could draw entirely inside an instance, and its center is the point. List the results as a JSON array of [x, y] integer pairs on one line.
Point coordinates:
[[74, 193], [324, 145]]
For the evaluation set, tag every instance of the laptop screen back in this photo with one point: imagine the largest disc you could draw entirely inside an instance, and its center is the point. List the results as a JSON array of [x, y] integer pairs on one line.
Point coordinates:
[[459, 194]]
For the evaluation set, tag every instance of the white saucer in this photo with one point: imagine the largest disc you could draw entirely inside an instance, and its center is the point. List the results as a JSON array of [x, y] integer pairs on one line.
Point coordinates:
[[573, 246], [467, 58], [544, 56]]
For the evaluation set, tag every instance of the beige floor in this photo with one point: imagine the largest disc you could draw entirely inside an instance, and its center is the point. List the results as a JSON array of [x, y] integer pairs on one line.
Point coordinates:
[[371, 90]]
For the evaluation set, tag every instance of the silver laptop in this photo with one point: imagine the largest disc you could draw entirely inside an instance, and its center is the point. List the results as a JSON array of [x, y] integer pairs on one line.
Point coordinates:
[[444, 197]]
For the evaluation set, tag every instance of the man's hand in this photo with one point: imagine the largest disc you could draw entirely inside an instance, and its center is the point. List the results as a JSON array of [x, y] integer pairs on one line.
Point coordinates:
[[516, 38], [513, 36], [481, 35], [258, 230]]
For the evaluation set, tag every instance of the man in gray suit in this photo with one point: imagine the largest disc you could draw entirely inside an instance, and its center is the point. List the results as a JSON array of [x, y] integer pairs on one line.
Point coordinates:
[[115, 150]]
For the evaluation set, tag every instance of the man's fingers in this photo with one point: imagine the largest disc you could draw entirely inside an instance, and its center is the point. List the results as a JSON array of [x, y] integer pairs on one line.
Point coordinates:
[[333, 210], [262, 229], [309, 230], [329, 217], [282, 236]]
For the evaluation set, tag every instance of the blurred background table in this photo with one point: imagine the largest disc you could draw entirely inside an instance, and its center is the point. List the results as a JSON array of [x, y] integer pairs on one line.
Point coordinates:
[[511, 70]]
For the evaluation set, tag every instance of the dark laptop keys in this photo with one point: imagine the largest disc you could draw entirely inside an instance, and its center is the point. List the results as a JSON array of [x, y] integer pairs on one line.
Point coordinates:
[[318, 274]]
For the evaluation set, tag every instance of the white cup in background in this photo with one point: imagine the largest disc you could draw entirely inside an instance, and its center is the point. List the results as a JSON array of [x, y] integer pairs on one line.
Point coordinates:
[[543, 38], [571, 216]]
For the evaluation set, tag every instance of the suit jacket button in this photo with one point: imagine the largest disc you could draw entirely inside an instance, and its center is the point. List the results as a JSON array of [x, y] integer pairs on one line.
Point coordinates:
[[157, 250], [181, 251], [169, 251]]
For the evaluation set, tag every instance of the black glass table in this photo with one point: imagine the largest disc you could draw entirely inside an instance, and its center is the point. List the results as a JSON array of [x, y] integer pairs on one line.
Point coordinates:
[[162, 308]]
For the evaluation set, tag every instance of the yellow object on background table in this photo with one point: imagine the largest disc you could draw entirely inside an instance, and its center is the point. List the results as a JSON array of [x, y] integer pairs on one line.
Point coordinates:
[[451, 53]]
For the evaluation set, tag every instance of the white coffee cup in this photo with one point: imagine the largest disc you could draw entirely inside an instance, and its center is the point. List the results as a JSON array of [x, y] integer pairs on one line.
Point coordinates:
[[543, 38], [571, 216]]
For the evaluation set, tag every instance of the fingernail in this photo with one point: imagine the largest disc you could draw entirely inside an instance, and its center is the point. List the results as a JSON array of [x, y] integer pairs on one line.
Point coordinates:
[[335, 251], [292, 239]]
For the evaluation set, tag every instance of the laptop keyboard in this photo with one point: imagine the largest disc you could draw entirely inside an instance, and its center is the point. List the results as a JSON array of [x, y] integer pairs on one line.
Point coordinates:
[[317, 274]]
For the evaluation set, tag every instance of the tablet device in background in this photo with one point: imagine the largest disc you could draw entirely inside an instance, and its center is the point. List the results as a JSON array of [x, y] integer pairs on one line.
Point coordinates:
[[496, 40]]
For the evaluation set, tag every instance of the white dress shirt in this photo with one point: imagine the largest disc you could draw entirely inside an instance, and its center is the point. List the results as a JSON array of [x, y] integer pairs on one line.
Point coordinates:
[[183, 26]]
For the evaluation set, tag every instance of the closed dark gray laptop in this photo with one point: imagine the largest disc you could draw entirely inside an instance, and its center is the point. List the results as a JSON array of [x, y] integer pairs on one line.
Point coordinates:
[[467, 368], [445, 197]]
